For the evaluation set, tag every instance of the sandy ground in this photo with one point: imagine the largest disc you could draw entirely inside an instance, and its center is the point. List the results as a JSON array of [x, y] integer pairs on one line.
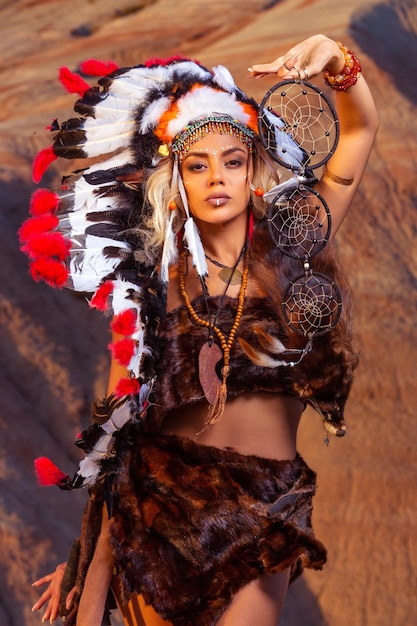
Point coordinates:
[[53, 348]]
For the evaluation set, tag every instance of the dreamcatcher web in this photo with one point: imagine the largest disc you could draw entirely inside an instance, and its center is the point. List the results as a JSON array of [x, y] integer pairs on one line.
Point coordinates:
[[312, 304], [298, 125], [300, 223]]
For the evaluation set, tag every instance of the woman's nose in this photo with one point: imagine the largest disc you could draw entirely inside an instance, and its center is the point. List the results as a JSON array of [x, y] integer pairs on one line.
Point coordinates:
[[216, 177]]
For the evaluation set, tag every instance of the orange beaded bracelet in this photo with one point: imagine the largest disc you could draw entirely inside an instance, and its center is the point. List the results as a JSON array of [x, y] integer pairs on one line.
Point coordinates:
[[348, 76]]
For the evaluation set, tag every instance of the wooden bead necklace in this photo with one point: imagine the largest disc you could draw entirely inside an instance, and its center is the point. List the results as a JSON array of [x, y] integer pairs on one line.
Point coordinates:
[[215, 389]]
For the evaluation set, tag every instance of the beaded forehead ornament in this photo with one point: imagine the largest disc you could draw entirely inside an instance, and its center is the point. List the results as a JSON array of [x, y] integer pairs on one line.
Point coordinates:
[[215, 123]]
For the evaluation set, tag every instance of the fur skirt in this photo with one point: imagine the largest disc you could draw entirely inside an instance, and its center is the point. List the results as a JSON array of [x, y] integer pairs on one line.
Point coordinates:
[[193, 524]]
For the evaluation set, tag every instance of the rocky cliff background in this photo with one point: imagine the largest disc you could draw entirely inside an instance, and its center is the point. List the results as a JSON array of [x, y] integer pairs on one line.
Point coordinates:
[[53, 352]]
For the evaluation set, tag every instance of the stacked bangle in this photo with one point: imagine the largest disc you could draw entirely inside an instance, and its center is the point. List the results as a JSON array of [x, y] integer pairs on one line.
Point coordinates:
[[348, 76]]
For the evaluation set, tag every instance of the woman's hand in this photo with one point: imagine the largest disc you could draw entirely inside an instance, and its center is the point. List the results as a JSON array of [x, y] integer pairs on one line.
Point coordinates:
[[305, 60], [356, 111], [52, 594]]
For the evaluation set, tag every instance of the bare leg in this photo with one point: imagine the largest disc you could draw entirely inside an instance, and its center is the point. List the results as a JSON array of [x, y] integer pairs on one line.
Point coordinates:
[[260, 602]]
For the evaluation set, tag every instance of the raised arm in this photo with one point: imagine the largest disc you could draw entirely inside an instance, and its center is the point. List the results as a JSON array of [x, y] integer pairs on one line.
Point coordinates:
[[356, 110]]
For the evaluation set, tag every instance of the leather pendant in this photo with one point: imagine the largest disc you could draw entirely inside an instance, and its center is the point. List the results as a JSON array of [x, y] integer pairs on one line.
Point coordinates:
[[210, 355], [230, 276]]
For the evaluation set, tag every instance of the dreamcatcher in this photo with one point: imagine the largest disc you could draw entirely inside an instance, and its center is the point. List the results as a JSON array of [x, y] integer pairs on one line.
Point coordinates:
[[299, 128]]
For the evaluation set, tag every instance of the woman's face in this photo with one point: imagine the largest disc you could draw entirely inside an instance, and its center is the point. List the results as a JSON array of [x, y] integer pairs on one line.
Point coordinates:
[[216, 174]]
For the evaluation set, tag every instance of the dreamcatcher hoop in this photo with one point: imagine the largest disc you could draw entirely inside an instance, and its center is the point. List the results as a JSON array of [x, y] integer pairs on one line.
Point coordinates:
[[312, 304], [298, 125], [299, 128], [300, 222]]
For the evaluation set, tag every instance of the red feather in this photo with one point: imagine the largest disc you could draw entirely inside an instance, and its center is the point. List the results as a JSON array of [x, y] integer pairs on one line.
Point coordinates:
[[99, 300], [94, 67], [43, 201], [36, 225], [48, 473], [124, 323], [73, 82], [47, 244], [127, 387], [42, 161], [54, 273], [123, 351], [251, 226]]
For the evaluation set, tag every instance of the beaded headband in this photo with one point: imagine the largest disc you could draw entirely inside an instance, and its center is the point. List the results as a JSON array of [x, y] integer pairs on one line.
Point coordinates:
[[219, 123]]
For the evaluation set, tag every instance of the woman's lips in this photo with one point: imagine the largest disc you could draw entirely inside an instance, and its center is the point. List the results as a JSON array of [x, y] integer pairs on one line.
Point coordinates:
[[217, 200]]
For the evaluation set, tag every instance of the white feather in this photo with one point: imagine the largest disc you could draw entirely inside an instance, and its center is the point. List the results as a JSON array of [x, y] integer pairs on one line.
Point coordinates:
[[191, 234], [87, 265], [122, 158], [121, 295], [190, 68], [135, 84], [75, 223], [119, 417], [150, 77], [195, 246], [283, 189], [169, 252], [88, 469], [115, 139], [263, 360], [86, 201], [82, 196], [111, 105], [224, 78], [153, 113], [288, 150]]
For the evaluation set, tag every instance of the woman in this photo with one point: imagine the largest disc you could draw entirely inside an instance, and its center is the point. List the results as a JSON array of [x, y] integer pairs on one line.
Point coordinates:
[[200, 505]]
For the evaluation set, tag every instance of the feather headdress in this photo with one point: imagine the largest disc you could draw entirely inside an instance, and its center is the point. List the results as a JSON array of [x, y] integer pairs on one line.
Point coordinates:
[[85, 236]]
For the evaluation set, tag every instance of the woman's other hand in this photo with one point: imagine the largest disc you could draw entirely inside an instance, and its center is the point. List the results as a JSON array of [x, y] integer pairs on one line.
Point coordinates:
[[52, 594]]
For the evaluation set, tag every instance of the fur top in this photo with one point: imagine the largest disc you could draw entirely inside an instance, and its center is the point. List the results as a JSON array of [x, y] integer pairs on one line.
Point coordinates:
[[323, 377]]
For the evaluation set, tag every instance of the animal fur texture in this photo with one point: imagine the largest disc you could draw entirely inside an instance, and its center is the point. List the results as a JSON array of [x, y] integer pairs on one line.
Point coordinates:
[[324, 376], [193, 524]]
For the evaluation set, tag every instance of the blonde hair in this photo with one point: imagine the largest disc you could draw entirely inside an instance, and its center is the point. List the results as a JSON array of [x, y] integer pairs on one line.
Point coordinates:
[[160, 192]]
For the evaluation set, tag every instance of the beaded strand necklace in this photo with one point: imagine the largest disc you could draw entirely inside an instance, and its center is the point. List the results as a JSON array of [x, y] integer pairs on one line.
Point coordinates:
[[215, 389], [229, 275]]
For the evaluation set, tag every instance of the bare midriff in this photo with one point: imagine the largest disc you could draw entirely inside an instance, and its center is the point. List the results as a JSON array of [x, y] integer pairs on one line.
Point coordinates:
[[263, 424]]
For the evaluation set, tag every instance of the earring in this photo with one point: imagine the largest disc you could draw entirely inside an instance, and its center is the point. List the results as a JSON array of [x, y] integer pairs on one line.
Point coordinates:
[[257, 191], [172, 205]]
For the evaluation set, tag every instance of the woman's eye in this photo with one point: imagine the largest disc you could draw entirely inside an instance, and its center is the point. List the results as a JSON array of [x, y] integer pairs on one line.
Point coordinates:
[[195, 167], [234, 163]]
